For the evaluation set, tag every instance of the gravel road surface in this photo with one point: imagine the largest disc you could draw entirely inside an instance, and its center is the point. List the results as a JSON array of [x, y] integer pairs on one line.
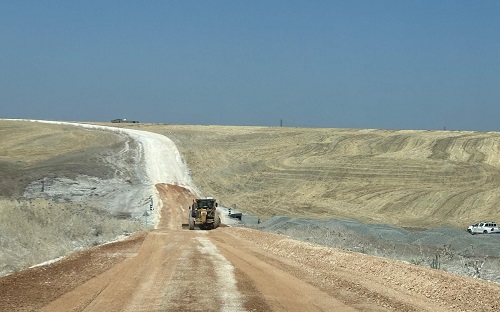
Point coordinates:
[[234, 269]]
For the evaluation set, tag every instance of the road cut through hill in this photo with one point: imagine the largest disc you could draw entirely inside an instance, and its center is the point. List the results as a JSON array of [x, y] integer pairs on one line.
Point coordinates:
[[234, 269]]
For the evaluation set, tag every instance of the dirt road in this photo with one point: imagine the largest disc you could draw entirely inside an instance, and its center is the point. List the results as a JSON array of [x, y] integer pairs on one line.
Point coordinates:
[[234, 269]]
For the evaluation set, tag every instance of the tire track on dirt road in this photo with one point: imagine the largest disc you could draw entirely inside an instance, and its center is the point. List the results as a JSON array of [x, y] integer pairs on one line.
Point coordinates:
[[174, 270], [182, 270], [280, 290]]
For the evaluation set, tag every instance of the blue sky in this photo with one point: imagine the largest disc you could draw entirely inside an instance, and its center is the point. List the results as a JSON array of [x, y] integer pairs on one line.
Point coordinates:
[[391, 64]]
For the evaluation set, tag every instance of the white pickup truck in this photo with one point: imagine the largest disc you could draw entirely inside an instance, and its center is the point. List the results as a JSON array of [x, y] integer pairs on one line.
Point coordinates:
[[484, 227]]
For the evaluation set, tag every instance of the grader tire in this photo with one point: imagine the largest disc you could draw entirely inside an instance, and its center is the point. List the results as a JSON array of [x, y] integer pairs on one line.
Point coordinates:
[[216, 221], [191, 222]]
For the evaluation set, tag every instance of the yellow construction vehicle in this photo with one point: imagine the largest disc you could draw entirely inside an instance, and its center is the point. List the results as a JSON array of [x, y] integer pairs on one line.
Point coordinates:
[[203, 214]]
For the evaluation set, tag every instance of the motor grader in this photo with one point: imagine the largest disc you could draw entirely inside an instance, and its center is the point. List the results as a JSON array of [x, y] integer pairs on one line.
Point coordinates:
[[203, 214]]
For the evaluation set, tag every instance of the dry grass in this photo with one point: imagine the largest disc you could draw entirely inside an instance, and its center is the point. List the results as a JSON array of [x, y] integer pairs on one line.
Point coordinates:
[[404, 178], [39, 230], [35, 231], [31, 151], [415, 179], [451, 257]]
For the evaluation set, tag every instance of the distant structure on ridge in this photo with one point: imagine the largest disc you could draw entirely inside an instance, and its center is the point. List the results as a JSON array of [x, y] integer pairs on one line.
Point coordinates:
[[122, 120]]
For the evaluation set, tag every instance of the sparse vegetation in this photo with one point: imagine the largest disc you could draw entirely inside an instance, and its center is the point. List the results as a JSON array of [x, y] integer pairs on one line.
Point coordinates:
[[460, 259], [35, 231], [435, 262], [405, 178], [51, 224]]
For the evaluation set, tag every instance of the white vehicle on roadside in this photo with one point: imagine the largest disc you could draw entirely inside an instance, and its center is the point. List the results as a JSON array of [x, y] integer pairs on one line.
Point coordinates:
[[483, 227]]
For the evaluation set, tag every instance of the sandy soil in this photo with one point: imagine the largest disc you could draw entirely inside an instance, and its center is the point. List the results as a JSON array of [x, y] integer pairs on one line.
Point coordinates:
[[234, 269]]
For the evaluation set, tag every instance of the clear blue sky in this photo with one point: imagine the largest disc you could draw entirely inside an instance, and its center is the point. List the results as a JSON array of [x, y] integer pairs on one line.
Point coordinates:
[[393, 64]]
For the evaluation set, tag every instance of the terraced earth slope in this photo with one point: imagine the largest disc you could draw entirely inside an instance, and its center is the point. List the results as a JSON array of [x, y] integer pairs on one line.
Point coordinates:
[[405, 178]]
